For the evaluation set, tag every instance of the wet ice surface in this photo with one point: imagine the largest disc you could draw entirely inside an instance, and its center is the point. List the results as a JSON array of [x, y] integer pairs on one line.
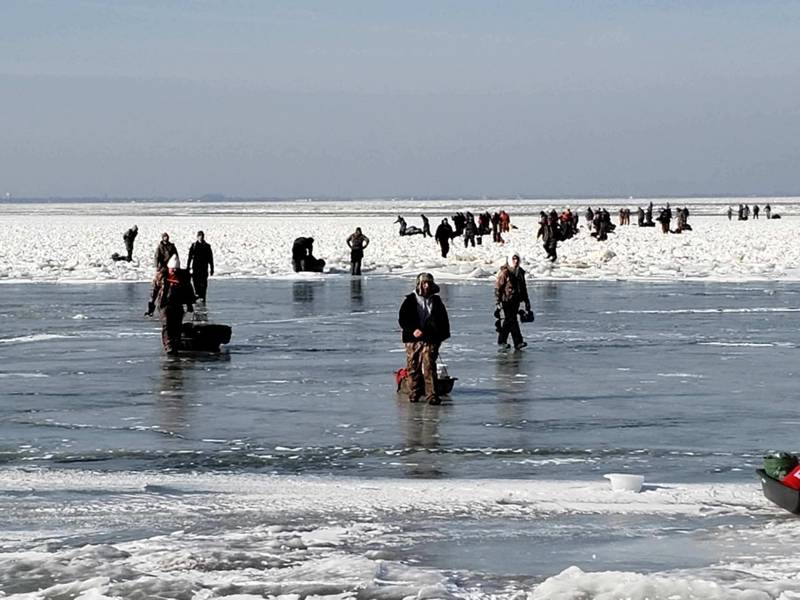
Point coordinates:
[[149, 472]]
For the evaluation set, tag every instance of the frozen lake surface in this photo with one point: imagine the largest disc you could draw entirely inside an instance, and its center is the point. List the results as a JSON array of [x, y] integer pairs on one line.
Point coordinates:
[[288, 465]]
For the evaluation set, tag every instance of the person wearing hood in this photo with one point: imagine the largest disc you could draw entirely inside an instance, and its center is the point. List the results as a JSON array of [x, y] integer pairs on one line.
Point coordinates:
[[511, 291], [425, 325], [164, 251], [200, 260], [171, 290], [444, 233], [128, 237]]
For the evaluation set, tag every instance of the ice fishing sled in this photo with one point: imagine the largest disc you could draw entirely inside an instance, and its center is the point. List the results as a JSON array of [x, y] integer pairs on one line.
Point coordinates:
[[204, 337], [778, 493], [444, 383], [117, 257]]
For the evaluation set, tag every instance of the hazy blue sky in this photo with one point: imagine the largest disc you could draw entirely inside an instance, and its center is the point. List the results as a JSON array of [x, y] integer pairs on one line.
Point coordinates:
[[367, 98]]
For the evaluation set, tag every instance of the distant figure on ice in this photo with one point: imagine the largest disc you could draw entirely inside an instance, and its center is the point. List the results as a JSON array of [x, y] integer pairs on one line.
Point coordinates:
[[470, 230], [164, 251], [496, 237], [511, 291], [589, 216], [405, 229], [640, 216], [171, 290], [768, 211], [357, 242], [730, 212], [303, 256], [444, 233], [426, 227], [128, 237], [425, 324], [549, 232], [665, 217], [459, 220], [200, 261], [755, 211]]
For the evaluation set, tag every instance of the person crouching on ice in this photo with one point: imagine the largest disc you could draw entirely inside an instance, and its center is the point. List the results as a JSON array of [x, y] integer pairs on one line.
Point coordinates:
[[511, 291], [423, 319], [171, 290]]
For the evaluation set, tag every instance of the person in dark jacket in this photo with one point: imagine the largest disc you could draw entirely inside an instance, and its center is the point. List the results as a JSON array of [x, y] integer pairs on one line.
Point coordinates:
[[303, 258], [426, 227], [164, 252], [171, 290], [470, 230], [357, 243], [425, 324], [444, 233], [200, 261], [128, 237], [550, 233], [755, 211], [511, 291], [768, 211]]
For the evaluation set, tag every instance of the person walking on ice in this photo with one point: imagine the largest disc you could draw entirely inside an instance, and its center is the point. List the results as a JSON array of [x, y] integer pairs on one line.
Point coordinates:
[[511, 291]]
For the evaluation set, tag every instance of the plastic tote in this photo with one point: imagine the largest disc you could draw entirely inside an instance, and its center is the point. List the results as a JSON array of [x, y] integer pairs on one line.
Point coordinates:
[[625, 482]]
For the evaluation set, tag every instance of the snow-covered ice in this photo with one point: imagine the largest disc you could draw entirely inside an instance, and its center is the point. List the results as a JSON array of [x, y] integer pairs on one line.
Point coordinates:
[[244, 536], [73, 243]]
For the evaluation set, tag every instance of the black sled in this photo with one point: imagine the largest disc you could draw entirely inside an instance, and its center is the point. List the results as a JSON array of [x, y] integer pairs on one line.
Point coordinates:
[[782, 495], [203, 337]]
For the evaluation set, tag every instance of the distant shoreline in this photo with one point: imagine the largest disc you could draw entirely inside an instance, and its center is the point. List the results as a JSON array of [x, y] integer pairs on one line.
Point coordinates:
[[712, 199]]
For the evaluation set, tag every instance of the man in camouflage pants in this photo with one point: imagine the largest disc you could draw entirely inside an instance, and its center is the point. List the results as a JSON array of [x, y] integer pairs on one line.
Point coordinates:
[[425, 324]]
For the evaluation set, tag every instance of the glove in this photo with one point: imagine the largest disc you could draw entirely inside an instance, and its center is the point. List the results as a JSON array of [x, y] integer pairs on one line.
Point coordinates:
[[497, 311], [151, 307]]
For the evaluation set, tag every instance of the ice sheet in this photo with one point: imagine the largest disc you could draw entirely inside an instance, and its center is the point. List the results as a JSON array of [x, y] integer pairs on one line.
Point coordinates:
[[73, 243]]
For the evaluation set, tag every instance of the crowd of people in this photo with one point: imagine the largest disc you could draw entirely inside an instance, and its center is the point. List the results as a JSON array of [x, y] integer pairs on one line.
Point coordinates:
[[464, 225], [426, 326]]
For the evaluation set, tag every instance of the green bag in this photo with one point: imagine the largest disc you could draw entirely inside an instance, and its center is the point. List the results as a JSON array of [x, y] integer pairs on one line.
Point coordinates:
[[779, 464]]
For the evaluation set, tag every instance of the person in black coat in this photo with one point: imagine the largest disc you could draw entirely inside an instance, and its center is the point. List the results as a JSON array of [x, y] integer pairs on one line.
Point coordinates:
[[200, 260], [426, 227], [425, 325], [128, 237], [444, 233]]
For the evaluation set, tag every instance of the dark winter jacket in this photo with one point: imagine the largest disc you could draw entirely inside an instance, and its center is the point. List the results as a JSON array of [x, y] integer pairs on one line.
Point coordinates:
[[511, 287], [163, 253], [129, 236], [434, 331], [444, 233], [201, 256]]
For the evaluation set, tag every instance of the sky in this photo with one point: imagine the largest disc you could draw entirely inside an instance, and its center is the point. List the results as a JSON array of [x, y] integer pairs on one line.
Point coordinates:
[[372, 98]]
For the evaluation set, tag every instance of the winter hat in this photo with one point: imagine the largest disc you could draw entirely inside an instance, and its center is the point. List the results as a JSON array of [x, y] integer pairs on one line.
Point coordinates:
[[511, 256], [174, 262], [429, 278]]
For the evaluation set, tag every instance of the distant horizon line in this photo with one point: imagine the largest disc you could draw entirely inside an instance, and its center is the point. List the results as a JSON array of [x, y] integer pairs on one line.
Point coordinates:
[[211, 198]]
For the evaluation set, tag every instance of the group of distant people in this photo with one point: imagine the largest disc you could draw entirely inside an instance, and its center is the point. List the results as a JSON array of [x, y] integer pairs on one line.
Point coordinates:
[[744, 212], [465, 225], [174, 287]]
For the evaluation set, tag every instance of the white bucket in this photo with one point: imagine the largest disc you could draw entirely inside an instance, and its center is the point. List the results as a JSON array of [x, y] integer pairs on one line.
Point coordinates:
[[623, 481]]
